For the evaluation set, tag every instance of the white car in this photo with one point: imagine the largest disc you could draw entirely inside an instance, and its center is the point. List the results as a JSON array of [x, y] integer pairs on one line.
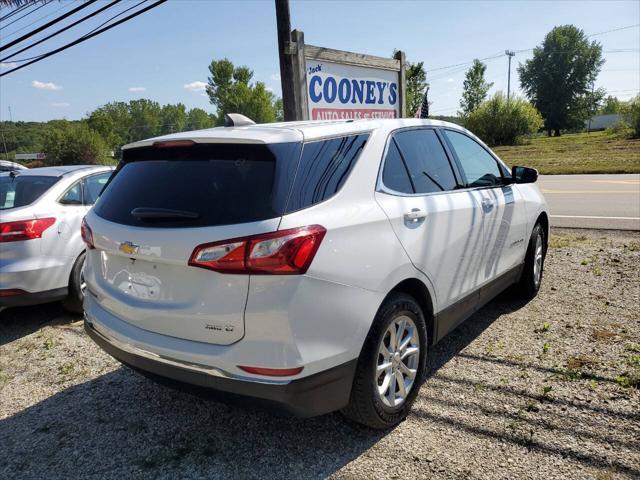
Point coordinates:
[[308, 265], [41, 250]]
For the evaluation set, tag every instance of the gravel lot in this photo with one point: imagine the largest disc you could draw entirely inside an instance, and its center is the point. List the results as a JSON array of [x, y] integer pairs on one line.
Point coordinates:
[[543, 390]]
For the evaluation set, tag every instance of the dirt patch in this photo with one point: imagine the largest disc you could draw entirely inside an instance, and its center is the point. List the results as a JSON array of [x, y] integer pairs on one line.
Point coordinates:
[[526, 391]]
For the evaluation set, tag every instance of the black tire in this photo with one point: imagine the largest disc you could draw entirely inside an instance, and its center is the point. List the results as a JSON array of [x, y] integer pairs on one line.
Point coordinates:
[[528, 286], [75, 297], [364, 405]]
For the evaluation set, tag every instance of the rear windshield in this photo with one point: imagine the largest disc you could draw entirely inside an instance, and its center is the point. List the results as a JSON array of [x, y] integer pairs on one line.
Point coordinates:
[[201, 185], [20, 191]]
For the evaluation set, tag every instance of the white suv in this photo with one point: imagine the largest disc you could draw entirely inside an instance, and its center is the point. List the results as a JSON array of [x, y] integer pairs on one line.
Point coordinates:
[[309, 265]]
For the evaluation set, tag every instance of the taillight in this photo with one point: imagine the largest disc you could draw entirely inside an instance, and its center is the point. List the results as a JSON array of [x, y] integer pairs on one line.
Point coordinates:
[[87, 234], [24, 229], [286, 252], [12, 292]]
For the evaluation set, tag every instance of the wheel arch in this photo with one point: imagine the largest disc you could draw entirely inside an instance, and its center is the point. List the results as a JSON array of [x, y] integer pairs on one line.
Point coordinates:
[[543, 219], [419, 291]]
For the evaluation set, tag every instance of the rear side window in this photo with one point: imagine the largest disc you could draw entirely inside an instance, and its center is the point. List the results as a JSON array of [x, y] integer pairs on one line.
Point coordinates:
[[395, 175], [73, 196], [20, 191], [425, 160], [324, 167], [480, 168], [201, 185]]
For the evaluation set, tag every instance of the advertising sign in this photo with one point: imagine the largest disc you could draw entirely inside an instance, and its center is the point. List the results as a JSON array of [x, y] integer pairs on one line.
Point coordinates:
[[337, 91]]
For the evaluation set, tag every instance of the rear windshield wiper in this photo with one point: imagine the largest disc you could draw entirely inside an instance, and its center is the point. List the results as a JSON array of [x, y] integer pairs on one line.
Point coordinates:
[[153, 213]]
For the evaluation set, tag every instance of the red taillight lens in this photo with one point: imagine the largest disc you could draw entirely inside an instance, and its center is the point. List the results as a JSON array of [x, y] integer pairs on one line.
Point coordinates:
[[24, 229], [286, 252], [12, 292], [272, 372], [87, 234]]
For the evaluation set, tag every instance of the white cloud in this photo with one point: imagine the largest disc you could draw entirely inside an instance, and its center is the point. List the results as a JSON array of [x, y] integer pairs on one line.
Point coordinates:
[[449, 80], [275, 76], [195, 86], [45, 85], [136, 89], [61, 104], [8, 65], [269, 89]]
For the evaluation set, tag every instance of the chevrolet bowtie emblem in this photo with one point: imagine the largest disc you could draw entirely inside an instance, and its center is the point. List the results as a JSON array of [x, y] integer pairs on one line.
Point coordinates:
[[129, 248]]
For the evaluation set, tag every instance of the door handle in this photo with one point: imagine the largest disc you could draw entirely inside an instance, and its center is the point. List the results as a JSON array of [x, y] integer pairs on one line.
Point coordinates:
[[487, 204], [415, 215]]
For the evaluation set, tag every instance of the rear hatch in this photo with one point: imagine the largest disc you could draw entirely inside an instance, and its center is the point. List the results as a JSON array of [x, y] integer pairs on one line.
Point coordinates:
[[162, 203]]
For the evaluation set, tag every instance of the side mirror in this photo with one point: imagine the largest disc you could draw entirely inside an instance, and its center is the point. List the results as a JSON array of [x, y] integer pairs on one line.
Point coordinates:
[[524, 175]]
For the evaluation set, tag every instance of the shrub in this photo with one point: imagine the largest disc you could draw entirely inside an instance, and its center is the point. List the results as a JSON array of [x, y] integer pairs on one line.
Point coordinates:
[[498, 122], [620, 129], [631, 112], [74, 144]]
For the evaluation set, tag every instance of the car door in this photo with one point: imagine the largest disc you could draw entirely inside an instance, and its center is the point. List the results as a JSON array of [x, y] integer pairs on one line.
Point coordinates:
[[71, 211], [439, 225], [503, 216]]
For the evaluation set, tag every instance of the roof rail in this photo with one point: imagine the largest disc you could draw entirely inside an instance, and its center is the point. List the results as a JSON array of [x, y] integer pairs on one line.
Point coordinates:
[[237, 120]]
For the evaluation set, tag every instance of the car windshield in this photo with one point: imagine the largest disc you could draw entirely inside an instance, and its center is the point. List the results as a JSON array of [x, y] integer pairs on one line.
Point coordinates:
[[19, 191]]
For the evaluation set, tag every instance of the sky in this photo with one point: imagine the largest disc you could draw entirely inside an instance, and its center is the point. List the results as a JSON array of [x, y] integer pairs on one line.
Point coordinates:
[[164, 54]]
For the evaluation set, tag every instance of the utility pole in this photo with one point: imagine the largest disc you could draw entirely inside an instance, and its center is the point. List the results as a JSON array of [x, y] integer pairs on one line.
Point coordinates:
[[509, 53], [283, 20]]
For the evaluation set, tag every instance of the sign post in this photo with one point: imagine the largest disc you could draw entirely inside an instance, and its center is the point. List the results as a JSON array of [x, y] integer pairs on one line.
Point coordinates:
[[328, 84]]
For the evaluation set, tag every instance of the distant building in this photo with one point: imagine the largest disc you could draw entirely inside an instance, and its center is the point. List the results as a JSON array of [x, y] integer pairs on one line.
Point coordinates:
[[602, 122]]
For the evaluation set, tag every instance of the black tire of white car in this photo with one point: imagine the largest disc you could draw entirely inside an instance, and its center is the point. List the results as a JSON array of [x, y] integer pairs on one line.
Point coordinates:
[[75, 297], [365, 406], [528, 287]]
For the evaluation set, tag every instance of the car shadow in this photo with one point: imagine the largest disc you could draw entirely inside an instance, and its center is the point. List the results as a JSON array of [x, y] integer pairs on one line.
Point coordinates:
[[122, 425], [19, 322]]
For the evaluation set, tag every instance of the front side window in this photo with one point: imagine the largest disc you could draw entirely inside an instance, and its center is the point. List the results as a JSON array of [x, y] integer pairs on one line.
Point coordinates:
[[93, 185], [425, 160], [324, 167], [480, 168], [73, 196]]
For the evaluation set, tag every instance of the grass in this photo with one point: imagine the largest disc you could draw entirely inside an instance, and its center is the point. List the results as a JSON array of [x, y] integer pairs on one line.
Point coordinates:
[[596, 152]]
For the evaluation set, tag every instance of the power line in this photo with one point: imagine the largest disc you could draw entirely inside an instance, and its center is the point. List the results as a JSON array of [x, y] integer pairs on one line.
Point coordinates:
[[28, 13], [14, 11], [36, 20], [86, 37], [614, 30], [86, 17], [47, 25]]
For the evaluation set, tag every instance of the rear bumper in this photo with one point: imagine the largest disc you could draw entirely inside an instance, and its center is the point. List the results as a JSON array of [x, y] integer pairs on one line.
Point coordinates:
[[310, 396], [34, 298]]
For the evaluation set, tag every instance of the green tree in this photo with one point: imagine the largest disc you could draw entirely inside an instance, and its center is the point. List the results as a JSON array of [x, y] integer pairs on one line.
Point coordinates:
[[231, 91], [145, 119], [197, 119], [499, 122], [173, 118], [560, 75], [112, 121], [610, 105], [416, 86], [74, 144], [474, 88]]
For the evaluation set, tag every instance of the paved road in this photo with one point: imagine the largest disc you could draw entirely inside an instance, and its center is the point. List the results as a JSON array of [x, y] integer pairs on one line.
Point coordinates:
[[593, 201]]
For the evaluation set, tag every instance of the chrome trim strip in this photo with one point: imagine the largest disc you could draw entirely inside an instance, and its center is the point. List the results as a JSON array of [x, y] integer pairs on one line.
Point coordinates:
[[195, 367]]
